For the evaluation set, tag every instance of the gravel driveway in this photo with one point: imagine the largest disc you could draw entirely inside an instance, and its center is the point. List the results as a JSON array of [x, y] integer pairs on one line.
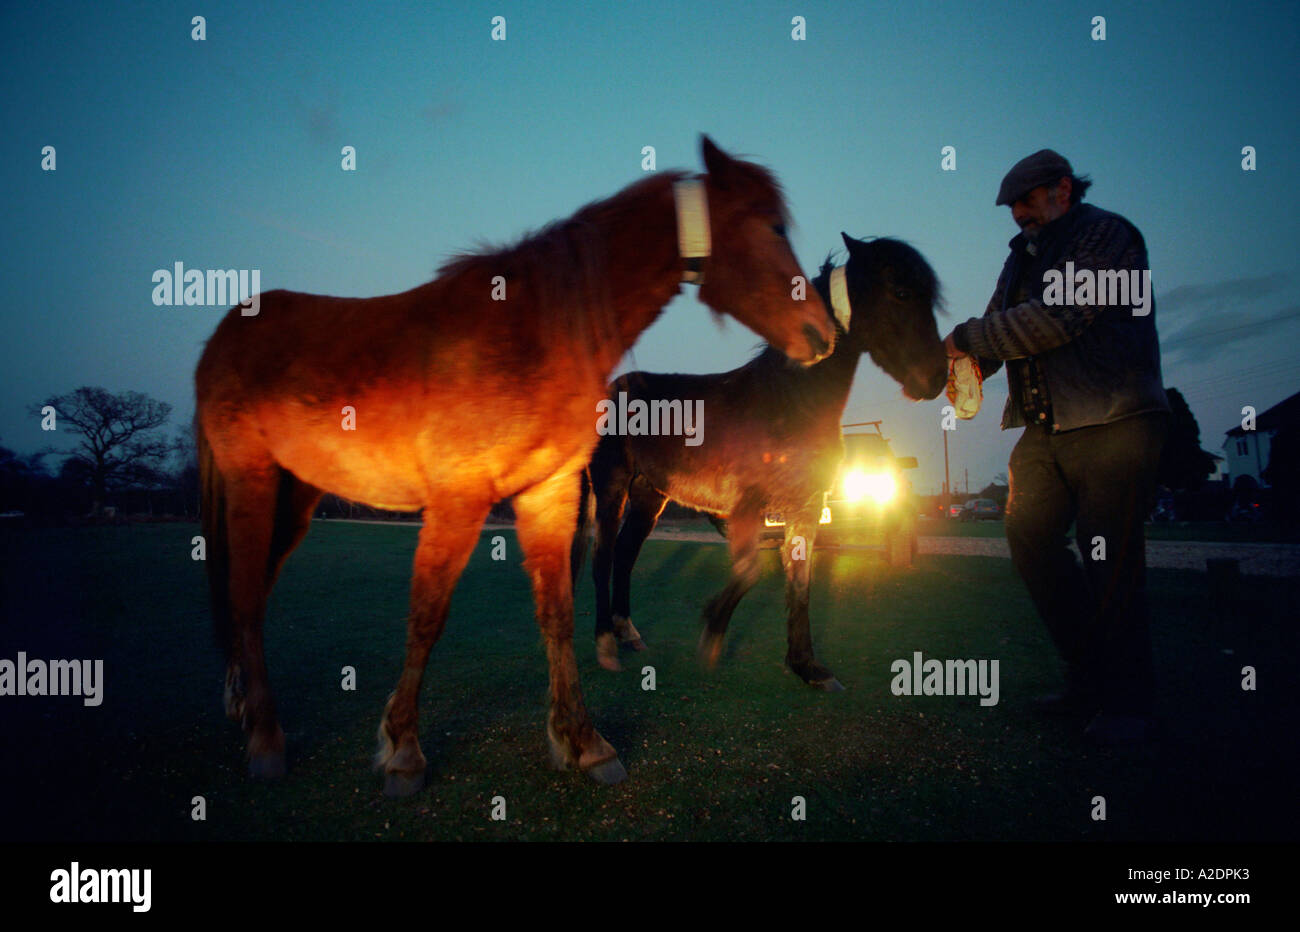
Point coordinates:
[[1255, 559]]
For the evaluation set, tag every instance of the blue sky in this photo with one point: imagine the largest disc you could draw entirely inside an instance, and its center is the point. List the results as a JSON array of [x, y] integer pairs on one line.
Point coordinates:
[[225, 154]]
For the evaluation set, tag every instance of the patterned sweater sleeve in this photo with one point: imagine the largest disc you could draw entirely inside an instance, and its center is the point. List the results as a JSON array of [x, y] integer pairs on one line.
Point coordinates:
[[988, 364], [1033, 327]]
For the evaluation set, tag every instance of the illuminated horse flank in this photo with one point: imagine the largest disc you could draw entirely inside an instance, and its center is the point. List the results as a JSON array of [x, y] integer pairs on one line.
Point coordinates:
[[459, 400]]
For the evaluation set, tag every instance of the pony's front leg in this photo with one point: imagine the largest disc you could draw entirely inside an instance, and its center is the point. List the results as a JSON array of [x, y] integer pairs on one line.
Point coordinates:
[[545, 518], [742, 538], [644, 506], [796, 560], [446, 541]]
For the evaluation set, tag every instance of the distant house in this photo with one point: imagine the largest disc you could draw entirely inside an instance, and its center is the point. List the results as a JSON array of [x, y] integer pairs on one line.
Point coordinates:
[[1220, 473], [1247, 451]]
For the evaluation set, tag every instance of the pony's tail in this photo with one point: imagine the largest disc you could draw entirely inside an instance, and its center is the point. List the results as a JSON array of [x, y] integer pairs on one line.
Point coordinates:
[[212, 511], [578, 551]]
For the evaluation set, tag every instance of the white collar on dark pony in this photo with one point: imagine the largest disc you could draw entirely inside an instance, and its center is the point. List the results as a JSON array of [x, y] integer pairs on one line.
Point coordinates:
[[694, 239], [840, 297]]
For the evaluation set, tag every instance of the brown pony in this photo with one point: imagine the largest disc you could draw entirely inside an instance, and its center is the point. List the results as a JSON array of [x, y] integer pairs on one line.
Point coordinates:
[[772, 444], [448, 398]]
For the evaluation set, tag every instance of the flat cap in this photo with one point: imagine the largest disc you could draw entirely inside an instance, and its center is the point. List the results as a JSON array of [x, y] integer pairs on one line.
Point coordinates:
[[1043, 167]]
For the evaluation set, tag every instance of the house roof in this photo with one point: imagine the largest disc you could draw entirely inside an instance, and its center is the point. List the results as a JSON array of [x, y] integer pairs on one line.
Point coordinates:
[[1286, 413]]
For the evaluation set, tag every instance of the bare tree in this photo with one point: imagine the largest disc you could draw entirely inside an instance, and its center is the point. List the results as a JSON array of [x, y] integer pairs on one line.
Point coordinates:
[[1184, 466], [118, 447]]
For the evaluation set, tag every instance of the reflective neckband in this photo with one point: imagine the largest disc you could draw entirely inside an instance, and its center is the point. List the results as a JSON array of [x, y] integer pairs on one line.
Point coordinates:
[[694, 240], [840, 297]]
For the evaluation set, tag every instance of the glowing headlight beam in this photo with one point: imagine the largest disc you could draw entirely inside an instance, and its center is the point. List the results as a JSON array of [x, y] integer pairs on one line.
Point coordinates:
[[880, 487]]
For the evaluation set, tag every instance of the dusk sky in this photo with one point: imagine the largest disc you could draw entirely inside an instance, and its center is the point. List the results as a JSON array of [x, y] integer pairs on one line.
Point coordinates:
[[225, 153]]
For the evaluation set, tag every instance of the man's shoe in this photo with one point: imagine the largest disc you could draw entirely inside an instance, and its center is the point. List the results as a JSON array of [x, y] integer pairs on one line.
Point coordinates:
[[1113, 729], [1067, 704]]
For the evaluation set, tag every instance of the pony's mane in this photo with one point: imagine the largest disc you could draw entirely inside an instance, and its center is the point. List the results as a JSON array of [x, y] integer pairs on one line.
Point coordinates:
[[563, 265], [910, 267], [762, 178], [542, 239], [907, 261]]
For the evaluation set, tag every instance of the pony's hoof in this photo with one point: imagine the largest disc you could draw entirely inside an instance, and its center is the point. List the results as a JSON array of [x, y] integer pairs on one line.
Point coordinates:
[[398, 784], [555, 752], [607, 652], [710, 648], [608, 772], [815, 675], [831, 685], [266, 766], [628, 635], [233, 696]]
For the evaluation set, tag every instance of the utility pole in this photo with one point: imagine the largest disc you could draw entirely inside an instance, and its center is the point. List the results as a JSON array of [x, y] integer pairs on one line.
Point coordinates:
[[947, 489], [966, 473]]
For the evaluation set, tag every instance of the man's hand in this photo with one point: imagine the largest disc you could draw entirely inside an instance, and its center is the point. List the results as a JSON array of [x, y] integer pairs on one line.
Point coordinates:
[[951, 348]]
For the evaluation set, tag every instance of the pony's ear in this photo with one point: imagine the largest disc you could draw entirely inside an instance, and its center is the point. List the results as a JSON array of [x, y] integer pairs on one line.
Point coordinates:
[[720, 165], [850, 242]]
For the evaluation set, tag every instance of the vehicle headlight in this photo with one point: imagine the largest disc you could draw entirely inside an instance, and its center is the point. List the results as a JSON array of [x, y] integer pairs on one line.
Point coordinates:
[[880, 487]]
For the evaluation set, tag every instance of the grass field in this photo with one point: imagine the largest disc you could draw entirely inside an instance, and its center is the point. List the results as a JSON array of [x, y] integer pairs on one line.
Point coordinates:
[[710, 756]]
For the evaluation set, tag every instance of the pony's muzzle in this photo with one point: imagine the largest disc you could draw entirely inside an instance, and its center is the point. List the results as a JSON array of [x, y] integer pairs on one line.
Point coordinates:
[[818, 346], [925, 384]]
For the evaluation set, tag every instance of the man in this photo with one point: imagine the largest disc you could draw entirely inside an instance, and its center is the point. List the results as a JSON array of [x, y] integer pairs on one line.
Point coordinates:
[[1083, 369]]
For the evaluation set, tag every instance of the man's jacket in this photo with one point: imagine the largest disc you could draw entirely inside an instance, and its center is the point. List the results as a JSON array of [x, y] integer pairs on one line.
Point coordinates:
[[1097, 363]]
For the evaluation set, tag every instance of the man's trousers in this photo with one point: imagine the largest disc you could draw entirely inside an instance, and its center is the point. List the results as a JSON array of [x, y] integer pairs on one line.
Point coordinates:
[[1101, 479]]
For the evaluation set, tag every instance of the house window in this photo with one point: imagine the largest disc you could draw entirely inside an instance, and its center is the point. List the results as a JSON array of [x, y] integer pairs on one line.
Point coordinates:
[[1241, 448]]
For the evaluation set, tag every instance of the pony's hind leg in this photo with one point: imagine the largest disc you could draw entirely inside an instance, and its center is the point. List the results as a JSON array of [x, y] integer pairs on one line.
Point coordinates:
[[251, 494], [545, 518], [796, 560], [446, 541], [295, 502], [609, 481], [644, 506], [742, 539]]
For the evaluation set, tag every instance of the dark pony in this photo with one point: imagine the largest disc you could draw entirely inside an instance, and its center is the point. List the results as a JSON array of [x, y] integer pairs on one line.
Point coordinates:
[[477, 386], [771, 443]]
